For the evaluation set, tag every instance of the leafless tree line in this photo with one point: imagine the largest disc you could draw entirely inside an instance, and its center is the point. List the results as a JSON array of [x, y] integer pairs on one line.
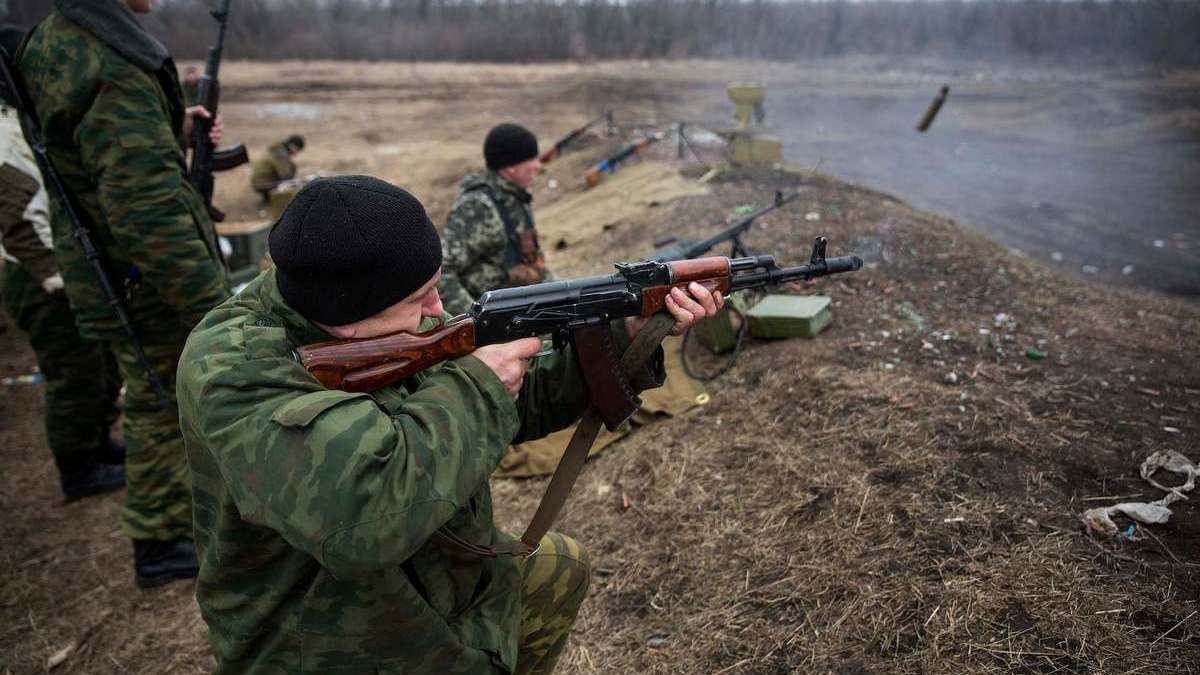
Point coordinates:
[[1163, 32]]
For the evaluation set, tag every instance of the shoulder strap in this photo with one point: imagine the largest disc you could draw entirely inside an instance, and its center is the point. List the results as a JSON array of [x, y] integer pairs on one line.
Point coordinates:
[[512, 251]]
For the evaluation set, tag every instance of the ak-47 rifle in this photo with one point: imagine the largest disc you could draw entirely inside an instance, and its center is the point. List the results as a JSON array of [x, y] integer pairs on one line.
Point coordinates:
[[560, 145], [205, 157], [13, 90], [593, 175], [556, 308], [576, 311], [671, 248]]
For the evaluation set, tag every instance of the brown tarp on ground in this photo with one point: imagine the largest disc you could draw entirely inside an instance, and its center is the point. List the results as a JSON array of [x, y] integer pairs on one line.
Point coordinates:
[[633, 190], [678, 395]]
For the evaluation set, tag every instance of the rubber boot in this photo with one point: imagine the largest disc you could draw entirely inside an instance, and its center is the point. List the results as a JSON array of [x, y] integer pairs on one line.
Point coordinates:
[[159, 562], [111, 451], [87, 477]]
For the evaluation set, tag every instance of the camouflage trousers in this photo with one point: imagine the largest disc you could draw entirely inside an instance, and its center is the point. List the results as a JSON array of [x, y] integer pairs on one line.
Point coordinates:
[[554, 583], [158, 504], [82, 383]]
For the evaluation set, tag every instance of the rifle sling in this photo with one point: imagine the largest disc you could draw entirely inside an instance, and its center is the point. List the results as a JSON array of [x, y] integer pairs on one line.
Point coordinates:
[[634, 358]]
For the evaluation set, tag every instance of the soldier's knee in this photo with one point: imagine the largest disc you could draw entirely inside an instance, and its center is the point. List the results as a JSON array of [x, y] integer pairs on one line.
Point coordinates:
[[574, 555]]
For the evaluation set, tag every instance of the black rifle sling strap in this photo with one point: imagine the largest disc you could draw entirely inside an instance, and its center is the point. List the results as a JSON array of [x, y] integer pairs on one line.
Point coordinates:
[[634, 358], [512, 247]]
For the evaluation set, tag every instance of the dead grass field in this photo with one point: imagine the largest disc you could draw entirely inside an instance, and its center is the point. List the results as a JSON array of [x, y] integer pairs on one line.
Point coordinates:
[[843, 505]]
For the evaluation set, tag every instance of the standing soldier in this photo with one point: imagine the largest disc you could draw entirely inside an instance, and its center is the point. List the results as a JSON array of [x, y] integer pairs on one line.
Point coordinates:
[[112, 113], [276, 166], [82, 383], [490, 240]]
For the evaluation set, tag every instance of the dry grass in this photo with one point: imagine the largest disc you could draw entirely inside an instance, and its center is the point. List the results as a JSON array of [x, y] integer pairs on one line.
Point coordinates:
[[840, 506]]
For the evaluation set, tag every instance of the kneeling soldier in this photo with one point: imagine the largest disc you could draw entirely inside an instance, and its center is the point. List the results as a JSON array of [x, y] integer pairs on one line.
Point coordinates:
[[315, 508]]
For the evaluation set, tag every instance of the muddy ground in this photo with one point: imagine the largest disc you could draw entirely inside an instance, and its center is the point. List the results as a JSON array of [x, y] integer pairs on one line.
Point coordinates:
[[900, 494]]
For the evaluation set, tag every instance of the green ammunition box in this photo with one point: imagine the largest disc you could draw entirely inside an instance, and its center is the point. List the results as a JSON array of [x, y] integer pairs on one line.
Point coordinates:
[[249, 242], [754, 149], [718, 333], [780, 316], [280, 197]]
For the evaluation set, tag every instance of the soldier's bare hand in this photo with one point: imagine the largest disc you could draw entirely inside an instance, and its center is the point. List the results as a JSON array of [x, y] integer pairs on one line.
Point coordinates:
[[189, 116], [687, 308], [509, 361]]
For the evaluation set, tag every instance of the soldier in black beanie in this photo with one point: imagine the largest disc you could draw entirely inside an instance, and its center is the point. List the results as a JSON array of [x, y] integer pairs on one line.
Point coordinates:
[[323, 505], [491, 241]]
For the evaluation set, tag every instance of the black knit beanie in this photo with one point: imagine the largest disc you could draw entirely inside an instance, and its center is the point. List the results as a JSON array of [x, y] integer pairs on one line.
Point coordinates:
[[508, 144], [295, 141], [348, 247]]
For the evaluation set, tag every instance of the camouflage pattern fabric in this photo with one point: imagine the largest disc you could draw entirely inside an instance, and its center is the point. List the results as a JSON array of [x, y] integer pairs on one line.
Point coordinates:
[[554, 582], [476, 249], [113, 130], [82, 383], [271, 168], [313, 508], [158, 498], [111, 110]]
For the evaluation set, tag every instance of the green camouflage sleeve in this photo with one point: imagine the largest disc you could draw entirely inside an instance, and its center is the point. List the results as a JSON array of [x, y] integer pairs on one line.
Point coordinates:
[[356, 486], [129, 147]]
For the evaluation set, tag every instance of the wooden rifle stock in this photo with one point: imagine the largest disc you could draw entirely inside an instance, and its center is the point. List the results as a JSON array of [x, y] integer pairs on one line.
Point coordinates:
[[372, 363]]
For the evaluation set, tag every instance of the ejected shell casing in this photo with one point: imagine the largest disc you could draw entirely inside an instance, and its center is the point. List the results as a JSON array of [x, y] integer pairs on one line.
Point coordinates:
[[934, 107]]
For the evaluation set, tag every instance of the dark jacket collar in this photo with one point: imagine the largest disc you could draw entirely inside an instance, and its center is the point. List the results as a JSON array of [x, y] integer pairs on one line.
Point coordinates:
[[113, 23]]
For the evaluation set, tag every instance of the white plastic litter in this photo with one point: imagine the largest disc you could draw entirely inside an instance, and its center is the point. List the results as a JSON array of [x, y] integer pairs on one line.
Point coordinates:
[[1100, 520]]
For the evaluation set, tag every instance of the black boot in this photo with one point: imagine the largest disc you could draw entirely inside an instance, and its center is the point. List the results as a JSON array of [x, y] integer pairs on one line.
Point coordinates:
[[87, 477], [111, 451], [160, 562]]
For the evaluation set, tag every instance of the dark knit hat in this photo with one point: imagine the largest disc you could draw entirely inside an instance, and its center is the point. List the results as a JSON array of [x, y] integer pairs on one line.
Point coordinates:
[[348, 247], [508, 144], [295, 141]]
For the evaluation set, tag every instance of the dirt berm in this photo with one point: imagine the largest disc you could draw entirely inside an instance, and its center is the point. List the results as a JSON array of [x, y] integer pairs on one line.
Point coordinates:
[[900, 494]]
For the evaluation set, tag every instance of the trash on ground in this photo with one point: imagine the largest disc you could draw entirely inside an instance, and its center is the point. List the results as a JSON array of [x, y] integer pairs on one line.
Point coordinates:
[[28, 378], [1099, 520]]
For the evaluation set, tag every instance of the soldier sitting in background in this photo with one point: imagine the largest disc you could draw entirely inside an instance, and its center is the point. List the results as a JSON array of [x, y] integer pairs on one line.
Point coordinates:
[[274, 167], [82, 383], [490, 240]]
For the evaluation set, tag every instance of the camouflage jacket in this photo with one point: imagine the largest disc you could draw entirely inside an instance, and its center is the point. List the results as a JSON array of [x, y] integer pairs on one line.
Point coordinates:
[[24, 212], [313, 507], [272, 167], [111, 110], [479, 253]]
